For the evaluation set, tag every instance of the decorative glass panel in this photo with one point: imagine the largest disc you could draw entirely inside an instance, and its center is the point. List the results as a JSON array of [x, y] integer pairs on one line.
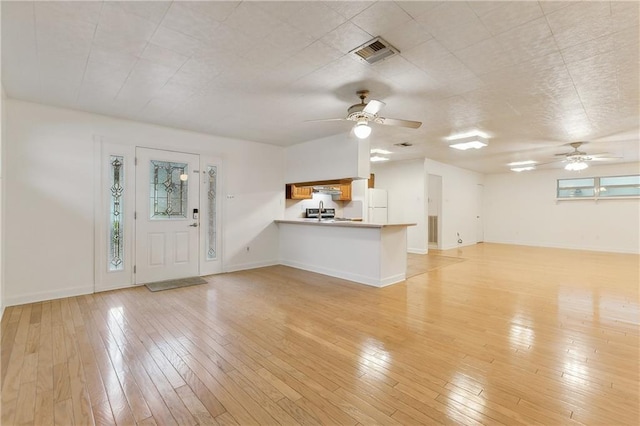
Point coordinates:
[[168, 192], [211, 215], [116, 218]]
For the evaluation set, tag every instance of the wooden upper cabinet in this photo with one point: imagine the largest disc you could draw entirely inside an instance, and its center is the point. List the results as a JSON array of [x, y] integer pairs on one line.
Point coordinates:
[[345, 188], [304, 191], [294, 192]]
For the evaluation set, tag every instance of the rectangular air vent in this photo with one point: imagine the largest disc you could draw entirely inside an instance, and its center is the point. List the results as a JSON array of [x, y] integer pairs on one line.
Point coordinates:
[[374, 51]]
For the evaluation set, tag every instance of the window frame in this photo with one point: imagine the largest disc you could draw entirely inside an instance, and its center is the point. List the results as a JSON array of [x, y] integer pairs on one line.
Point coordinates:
[[596, 188]]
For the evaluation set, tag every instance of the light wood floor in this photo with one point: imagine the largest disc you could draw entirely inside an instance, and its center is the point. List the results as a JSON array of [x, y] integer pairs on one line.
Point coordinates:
[[510, 335]]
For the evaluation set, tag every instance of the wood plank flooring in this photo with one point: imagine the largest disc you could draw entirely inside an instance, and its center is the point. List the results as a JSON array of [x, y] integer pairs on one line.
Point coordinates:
[[507, 335]]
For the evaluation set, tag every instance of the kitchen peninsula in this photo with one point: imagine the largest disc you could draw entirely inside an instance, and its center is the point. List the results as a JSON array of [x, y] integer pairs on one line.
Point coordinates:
[[367, 253]]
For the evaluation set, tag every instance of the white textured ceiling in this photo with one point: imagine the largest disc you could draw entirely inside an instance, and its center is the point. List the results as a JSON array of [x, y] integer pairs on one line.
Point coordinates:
[[532, 75]]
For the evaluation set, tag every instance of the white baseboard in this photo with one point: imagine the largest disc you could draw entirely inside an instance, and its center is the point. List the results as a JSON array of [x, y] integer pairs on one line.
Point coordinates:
[[417, 251], [251, 265], [454, 246], [360, 279], [47, 295], [115, 287], [567, 246]]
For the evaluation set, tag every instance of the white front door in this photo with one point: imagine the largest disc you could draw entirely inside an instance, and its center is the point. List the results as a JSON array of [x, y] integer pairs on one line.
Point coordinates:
[[167, 196]]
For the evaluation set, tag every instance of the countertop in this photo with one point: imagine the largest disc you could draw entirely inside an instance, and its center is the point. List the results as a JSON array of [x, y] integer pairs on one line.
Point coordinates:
[[341, 223]]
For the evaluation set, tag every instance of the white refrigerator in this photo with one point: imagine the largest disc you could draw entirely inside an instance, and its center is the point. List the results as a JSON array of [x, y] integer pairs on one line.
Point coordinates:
[[377, 206]]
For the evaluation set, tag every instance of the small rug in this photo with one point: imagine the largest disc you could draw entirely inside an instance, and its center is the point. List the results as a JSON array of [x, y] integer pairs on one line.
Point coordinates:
[[169, 284]]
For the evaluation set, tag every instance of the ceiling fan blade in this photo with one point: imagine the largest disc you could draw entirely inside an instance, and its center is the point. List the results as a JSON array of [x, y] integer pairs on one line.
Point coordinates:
[[397, 122], [548, 162], [326, 119], [604, 158], [373, 107]]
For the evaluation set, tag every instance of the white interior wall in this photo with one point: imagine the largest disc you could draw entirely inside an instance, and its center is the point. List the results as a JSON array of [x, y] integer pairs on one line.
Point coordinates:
[[459, 203], [405, 182], [49, 159], [520, 208], [2, 143]]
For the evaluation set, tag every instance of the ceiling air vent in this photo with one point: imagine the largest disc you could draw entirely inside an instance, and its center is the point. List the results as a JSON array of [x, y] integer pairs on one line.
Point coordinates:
[[374, 51], [404, 144]]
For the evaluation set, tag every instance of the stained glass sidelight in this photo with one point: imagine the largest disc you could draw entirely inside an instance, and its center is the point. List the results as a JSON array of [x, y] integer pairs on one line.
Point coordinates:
[[211, 216], [168, 193], [116, 240]]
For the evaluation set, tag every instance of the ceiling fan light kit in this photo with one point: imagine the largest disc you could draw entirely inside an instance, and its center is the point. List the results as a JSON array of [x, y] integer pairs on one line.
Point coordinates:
[[362, 130], [576, 166]]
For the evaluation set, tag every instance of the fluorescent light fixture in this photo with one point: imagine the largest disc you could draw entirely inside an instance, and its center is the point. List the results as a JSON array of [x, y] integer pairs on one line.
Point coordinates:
[[522, 163], [380, 151], [362, 130], [575, 166], [470, 134], [522, 169], [475, 141], [377, 158]]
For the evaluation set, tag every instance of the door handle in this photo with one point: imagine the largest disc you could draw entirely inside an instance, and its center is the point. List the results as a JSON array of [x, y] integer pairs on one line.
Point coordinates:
[[194, 224]]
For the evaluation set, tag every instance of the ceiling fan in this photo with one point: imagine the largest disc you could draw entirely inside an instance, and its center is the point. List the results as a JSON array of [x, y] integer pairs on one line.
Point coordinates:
[[367, 112], [577, 160]]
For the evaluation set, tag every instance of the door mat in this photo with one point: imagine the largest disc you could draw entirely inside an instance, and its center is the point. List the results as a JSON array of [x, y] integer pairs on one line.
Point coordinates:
[[169, 284]]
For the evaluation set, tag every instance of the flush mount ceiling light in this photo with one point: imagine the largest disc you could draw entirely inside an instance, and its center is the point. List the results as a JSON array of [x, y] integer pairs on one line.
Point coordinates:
[[377, 158], [469, 142], [522, 166], [522, 163], [362, 130], [380, 151], [575, 165], [184, 177]]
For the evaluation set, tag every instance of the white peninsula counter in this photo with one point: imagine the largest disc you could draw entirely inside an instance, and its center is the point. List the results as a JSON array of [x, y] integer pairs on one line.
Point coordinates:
[[367, 253]]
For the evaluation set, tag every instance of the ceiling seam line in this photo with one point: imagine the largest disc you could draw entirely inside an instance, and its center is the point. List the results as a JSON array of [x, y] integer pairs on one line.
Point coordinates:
[[148, 41], [86, 64], [564, 62]]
